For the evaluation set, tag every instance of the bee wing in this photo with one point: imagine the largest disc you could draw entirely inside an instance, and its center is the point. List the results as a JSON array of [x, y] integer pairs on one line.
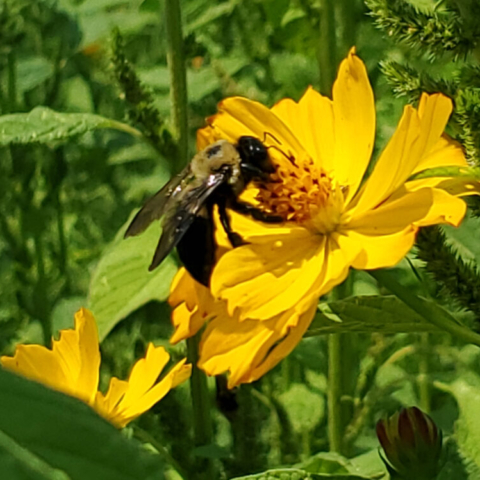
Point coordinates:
[[177, 222], [156, 206]]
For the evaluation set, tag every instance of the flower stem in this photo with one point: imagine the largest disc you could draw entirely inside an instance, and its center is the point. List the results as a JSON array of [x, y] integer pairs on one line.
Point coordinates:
[[337, 380], [145, 437], [327, 51], [178, 77], [348, 21], [202, 420], [335, 420], [424, 368], [40, 298], [12, 82], [439, 317]]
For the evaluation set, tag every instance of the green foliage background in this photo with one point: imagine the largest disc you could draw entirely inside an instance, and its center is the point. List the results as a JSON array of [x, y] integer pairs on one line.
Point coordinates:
[[70, 183]]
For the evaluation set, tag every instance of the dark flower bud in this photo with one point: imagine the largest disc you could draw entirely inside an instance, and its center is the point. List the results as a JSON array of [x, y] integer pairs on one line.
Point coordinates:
[[412, 444]]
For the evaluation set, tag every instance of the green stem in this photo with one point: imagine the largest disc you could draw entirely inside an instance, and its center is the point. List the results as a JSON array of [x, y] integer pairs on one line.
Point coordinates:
[[12, 82], [162, 451], [439, 317], [327, 49], [338, 365], [424, 368], [335, 420], [62, 241], [42, 309], [178, 76], [348, 20], [202, 420]]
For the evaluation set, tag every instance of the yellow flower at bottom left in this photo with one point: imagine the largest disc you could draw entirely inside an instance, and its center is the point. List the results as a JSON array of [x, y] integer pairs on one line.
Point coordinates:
[[72, 367]]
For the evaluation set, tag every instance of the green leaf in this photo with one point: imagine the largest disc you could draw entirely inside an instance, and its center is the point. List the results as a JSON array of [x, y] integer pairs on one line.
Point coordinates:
[[33, 71], [465, 238], [296, 474], [43, 431], [467, 172], [305, 408], [467, 429], [456, 465], [325, 462], [64, 311], [211, 14], [339, 467], [18, 463], [43, 125], [386, 314], [122, 282]]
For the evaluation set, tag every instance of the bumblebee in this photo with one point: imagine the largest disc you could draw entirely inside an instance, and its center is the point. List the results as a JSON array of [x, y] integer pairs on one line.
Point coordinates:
[[216, 176]]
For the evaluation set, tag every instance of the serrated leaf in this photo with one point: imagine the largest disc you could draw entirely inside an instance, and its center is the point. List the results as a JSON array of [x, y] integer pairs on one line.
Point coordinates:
[[467, 428], [66, 435], [122, 283], [296, 474], [43, 125], [456, 465], [465, 238], [386, 314]]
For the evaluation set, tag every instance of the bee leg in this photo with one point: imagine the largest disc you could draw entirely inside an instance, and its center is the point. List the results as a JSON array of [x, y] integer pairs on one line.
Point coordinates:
[[255, 213], [234, 238]]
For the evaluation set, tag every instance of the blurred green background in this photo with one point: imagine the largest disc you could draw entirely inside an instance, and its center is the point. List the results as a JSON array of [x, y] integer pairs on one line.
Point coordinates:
[[65, 201]]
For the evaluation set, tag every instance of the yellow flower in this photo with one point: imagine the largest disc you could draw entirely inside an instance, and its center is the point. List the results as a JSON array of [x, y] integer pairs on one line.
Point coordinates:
[[72, 367], [267, 290]]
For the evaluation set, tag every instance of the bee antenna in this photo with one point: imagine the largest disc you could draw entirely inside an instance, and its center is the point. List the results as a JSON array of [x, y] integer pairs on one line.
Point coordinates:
[[270, 135], [290, 157]]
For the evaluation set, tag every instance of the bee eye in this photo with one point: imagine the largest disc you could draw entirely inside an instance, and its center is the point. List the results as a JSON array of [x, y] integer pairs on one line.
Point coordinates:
[[213, 151], [252, 150]]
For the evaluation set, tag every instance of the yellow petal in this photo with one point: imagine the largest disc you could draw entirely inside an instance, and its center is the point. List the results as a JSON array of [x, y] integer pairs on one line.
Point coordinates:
[[239, 116], [416, 134], [205, 137], [145, 373], [445, 209], [38, 363], [354, 120], [311, 121], [410, 208], [72, 366], [182, 290], [89, 353], [434, 111], [249, 348], [125, 401], [380, 251], [106, 404], [284, 347], [340, 253], [269, 276], [446, 152], [128, 411], [193, 306]]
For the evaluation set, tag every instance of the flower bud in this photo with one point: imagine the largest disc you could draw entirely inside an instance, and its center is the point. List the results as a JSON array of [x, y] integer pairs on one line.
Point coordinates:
[[412, 444]]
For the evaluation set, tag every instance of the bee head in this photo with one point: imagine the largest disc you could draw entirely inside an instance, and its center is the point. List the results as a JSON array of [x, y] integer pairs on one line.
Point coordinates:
[[255, 161]]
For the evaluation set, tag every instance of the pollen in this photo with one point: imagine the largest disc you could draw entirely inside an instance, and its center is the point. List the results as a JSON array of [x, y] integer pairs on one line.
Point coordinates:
[[298, 191]]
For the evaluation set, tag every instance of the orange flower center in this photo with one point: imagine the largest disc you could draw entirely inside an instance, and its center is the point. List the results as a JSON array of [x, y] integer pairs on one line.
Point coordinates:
[[302, 192]]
